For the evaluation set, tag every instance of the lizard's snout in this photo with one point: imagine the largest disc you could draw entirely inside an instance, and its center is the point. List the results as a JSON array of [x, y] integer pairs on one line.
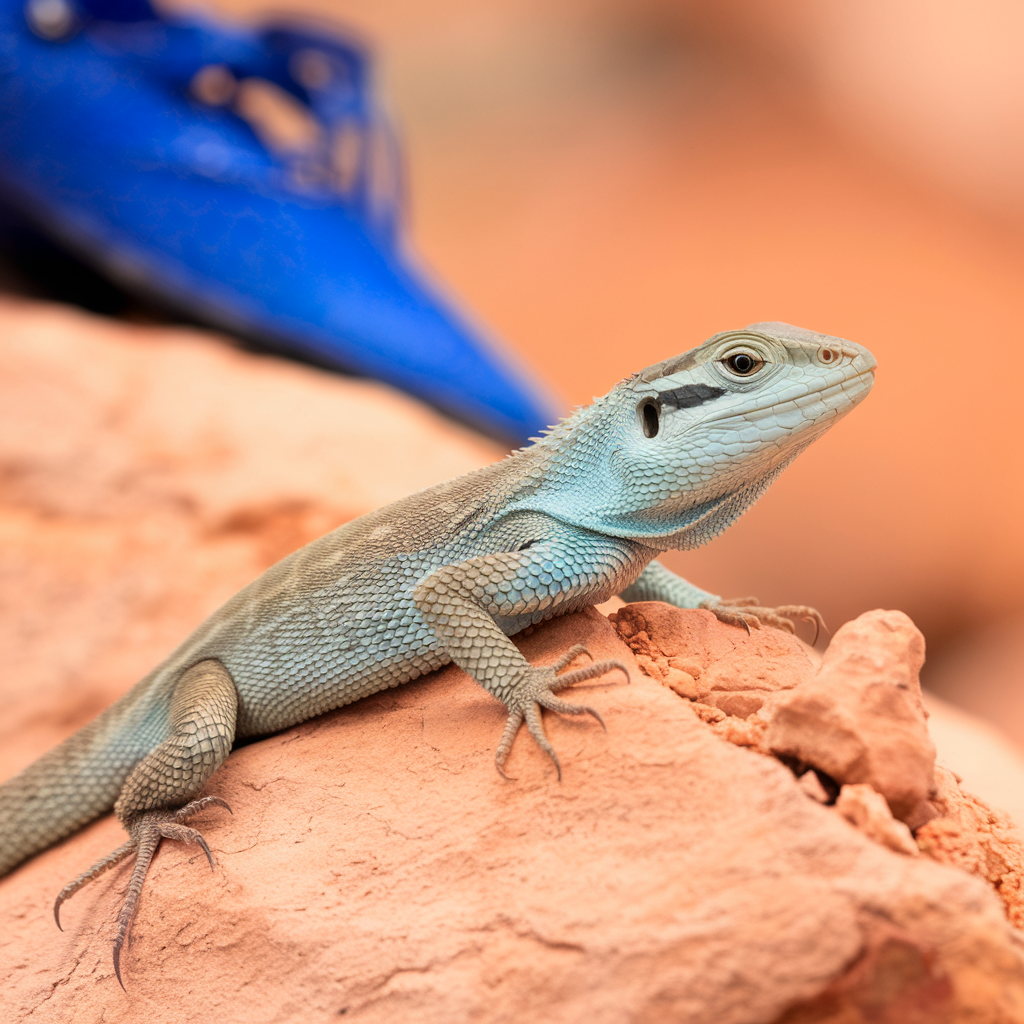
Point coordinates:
[[856, 358]]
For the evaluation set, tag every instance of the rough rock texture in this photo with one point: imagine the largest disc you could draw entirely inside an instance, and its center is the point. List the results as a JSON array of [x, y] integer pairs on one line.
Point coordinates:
[[868, 810], [970, 835], [837, 696], [733, 689], [377, 866], [861, 719]]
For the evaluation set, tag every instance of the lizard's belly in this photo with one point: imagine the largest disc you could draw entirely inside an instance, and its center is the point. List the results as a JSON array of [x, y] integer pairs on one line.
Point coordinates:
[[305, 664], [324, 654]]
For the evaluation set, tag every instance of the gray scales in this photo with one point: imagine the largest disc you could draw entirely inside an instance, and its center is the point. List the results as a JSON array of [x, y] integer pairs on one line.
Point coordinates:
[[666, 460]]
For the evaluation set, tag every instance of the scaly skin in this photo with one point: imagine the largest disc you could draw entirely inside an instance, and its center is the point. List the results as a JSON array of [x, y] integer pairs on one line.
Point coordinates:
[[666, 460]]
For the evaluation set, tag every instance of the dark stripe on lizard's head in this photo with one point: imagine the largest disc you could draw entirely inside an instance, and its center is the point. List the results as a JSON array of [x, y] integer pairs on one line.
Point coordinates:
[[690, 396]]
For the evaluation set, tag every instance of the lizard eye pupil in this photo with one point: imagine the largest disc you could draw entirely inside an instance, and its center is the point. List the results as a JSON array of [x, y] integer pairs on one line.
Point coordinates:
[[743, 364], [649, 411]]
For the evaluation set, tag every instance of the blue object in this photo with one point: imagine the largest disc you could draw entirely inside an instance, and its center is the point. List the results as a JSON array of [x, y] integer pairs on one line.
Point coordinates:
[[106, 147]]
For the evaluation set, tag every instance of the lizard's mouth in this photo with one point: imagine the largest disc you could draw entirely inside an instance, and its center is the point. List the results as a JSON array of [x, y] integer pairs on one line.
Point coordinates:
[[854, 387]]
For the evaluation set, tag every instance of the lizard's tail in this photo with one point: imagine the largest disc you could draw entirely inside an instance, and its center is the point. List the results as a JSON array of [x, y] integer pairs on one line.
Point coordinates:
[[72, 784]]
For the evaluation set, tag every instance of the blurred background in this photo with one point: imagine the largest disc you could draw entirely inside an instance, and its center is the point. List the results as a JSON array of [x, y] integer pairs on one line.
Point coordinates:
[[605, 183]]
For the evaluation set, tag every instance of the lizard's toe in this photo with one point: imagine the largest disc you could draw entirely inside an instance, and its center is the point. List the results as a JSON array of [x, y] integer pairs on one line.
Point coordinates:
[[769, 618], [514, 721], [190, 809], [741, 616], [805, 612], [536, 689], [184, 834], [598, 668], [570, 656], [146, 830], [747, 614], [99, 868], [536, 727], [563, 707]]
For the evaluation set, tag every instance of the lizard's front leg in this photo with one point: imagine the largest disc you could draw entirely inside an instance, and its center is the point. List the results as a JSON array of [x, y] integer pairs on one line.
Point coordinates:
[[158, 797], [657, 583], [460, 603]]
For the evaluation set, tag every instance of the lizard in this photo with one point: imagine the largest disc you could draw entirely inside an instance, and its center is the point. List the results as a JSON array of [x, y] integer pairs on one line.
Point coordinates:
[[668, 459]]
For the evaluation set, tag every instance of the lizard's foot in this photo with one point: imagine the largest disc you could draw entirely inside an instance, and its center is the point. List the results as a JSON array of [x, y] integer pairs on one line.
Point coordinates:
[[146, 830], [537, 689], [748, 613]]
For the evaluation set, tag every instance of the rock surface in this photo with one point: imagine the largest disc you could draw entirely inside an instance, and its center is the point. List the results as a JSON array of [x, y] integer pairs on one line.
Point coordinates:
[[869, 811], [970, 835], [377, 867]]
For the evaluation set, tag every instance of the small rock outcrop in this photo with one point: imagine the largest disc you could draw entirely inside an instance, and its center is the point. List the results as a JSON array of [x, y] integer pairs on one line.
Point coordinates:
[[851, 726], [861, 720]]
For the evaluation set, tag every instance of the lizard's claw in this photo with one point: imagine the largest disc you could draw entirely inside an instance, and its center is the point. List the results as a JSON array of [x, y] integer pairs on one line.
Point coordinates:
[[748, 613], [788, 612], [536, 689], [570, 656], [146, 831]]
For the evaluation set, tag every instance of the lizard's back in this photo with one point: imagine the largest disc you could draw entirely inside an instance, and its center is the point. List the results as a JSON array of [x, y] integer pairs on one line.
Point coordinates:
[[335, 621], [328, 624]]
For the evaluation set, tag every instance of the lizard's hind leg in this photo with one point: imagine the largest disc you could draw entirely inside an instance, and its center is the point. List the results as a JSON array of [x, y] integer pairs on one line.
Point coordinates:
[[158, 797]]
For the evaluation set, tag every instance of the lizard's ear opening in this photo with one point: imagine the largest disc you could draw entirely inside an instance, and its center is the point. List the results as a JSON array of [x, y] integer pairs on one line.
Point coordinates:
[[650, 416]]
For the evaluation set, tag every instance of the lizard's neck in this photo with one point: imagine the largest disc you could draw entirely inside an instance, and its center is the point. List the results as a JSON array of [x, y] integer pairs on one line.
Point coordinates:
[[576, 474]]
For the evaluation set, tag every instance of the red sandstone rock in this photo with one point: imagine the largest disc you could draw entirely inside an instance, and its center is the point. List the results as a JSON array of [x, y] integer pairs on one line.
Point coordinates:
[[970, 835], [734, 686], [376, 864], [869, 811], [861, 718], [879, 648]]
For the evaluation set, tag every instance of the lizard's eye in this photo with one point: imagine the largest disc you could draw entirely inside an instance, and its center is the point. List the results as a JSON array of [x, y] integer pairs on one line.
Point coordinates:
[[650, 415], [743, 363]]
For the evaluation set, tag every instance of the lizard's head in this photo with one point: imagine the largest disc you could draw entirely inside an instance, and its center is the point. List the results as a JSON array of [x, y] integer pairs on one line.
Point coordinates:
[[686, 446]]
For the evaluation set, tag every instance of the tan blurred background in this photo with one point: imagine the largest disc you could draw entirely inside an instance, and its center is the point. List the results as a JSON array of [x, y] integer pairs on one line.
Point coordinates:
[[606, 182]]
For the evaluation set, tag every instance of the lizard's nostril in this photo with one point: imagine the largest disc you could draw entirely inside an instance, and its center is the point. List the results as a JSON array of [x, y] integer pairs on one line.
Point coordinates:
[[829, 356], [650, 415]]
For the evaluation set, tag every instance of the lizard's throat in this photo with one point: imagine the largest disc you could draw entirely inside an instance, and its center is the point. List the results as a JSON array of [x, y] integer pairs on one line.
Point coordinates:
[[671, 524]]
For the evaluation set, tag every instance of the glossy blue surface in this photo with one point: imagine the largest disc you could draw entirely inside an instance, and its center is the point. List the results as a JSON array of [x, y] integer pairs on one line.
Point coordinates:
[[104, 146]]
